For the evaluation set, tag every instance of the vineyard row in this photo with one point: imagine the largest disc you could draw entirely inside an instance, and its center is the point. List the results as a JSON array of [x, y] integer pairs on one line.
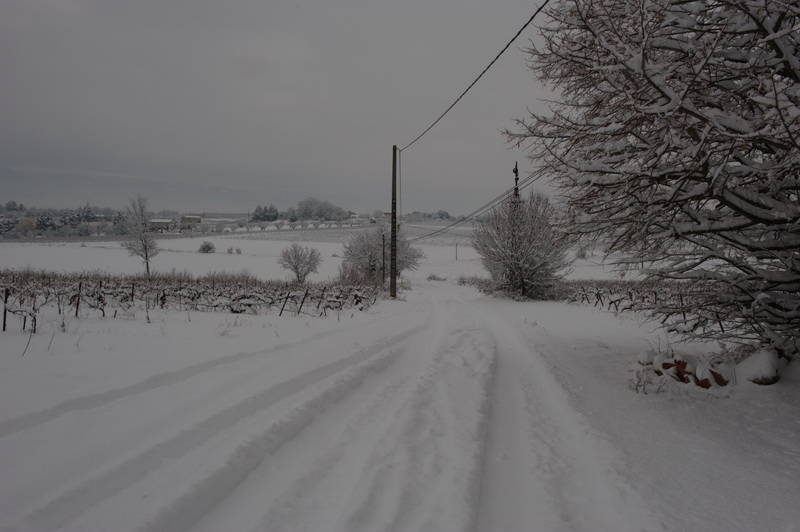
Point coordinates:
[[26, 292]]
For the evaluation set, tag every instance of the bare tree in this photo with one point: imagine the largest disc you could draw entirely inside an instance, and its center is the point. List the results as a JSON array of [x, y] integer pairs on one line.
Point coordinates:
[[141, 241], [676, 141], [520, 247], [364, 255], [300, 260]]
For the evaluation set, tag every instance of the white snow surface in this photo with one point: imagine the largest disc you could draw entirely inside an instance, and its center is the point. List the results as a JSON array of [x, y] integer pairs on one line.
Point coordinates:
[[442, 410]]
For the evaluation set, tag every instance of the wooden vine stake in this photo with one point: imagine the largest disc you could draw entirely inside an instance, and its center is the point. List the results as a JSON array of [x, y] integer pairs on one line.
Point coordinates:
[[5, 309]]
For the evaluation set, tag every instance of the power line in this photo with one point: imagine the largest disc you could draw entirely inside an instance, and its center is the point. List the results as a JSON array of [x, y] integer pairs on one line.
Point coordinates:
[[479, 76], [477, 212], [480, 210]]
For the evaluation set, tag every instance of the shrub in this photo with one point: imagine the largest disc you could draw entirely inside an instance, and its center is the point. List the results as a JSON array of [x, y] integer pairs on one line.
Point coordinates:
[[207, 247], [365, 252], [300, 260], [520, 247]]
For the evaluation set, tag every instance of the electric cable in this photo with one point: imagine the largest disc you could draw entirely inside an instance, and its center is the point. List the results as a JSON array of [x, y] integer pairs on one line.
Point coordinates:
[[480, 210], [483, 208], [538, 10]]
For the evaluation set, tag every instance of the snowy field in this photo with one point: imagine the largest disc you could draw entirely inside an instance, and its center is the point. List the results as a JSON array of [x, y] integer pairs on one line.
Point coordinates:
[[442, 410]]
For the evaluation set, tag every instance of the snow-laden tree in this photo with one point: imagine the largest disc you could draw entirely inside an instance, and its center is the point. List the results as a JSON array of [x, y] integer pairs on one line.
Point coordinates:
[[258, 214], [44, 222], [314, 209], [300, 260], [271, 213], [366, 250], [7, 224], [676, 140], [141, 241], [520, 247]]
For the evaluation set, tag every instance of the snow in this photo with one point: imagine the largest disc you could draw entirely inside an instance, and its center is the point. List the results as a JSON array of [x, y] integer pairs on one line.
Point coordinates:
[[442, 410], [763, 364]]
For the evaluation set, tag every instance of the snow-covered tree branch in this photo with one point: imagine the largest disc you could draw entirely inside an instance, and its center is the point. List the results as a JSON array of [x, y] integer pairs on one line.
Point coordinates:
[[676, 143]]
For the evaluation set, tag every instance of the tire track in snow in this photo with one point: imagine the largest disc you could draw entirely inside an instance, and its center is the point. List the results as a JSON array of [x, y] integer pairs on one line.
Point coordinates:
[[160, 380], [544, 458], [403, 452], [589, 492], [409, 458], [187, 509], [424, 473], [167, 378], [324, 471], [78, 499]]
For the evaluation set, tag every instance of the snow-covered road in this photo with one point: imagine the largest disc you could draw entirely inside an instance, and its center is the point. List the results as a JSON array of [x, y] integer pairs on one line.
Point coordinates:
[[444, 411]]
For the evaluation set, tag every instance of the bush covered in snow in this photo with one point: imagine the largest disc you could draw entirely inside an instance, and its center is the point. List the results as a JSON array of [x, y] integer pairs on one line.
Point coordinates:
[[208, 247], [300, 260], [367, 252], [520, 247], [656, 371]]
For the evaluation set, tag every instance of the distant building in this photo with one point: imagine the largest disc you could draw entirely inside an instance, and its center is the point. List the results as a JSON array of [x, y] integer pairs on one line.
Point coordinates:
[[191, 219], [161, 224]]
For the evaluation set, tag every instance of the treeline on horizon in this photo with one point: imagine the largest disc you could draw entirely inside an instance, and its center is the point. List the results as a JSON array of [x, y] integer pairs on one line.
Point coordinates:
[[18, 219]]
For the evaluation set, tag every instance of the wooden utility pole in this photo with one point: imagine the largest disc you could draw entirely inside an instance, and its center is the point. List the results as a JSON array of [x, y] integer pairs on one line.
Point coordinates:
[[393, 244]]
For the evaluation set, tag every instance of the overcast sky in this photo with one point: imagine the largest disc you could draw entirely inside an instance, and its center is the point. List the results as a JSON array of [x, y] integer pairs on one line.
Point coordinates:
[[223, 105]]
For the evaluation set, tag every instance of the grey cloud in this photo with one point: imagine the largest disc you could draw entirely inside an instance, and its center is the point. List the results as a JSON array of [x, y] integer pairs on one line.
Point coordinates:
[[296, 98]]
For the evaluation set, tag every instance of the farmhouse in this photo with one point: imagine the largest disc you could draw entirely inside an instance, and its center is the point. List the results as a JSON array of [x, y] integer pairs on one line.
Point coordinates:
[[161, 224]]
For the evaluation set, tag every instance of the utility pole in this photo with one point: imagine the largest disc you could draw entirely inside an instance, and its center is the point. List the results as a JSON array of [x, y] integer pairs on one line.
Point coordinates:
[[516, 182], [393, 244]]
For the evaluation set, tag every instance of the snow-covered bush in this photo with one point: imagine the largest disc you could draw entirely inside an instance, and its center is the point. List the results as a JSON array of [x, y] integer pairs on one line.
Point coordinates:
[[481, 283], [676, 140], [365, 252], [207, 247], [7, 224], [300, 260], [520, 247]]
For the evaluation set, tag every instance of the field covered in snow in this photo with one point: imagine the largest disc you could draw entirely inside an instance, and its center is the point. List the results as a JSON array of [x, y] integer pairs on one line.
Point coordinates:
[[445, 409]]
